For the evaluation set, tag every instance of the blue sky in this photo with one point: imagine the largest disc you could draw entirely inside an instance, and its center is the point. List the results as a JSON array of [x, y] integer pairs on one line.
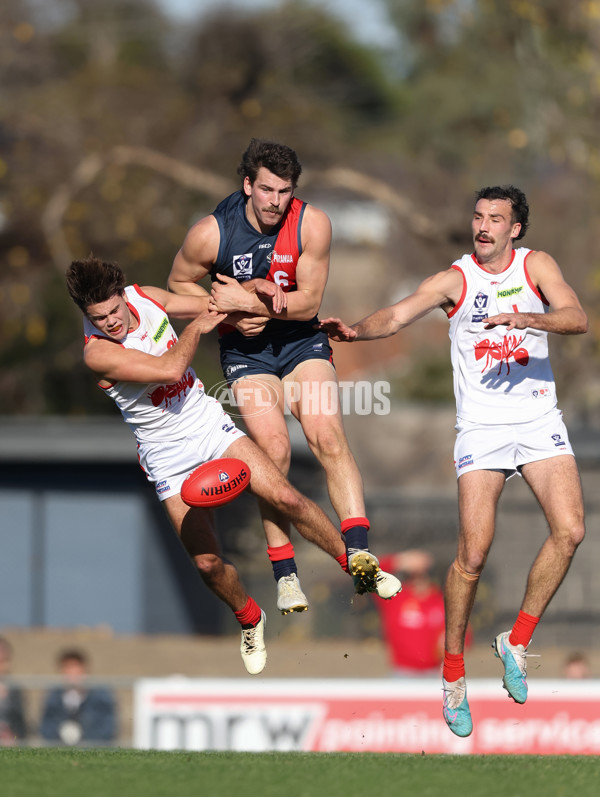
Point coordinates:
[[366, 19]]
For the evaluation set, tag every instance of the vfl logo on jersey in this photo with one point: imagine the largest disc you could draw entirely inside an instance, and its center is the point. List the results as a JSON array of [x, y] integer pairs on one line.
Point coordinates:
[[480, 304], [242, 266]]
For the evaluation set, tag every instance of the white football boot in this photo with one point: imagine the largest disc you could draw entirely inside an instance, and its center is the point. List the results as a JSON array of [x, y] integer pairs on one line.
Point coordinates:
[[290, 597], [253, 650]]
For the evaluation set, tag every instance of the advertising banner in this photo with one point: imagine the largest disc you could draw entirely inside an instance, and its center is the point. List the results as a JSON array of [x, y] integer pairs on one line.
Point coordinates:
[[382, 716]]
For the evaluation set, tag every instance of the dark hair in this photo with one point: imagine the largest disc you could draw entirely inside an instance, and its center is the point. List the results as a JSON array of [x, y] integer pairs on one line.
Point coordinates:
[[517, 199], [92, 280], [73, 654], [277, 158]]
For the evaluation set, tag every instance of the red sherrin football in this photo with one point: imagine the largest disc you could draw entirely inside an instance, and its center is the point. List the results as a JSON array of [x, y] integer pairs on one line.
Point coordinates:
[[216, 482]]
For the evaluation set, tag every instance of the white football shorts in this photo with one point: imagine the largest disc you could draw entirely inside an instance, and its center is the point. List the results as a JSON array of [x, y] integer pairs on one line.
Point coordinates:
[[167, 463], [507, 447]]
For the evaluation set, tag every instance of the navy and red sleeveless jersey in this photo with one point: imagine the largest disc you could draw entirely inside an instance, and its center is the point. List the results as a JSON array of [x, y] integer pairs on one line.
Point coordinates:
[[246, 253]]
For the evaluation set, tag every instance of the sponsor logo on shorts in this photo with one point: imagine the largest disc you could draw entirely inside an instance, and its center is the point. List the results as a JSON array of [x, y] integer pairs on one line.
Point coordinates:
[[163, 486], [242, 266], [558, 441], [541, 393], [317, 347], [227, 427], [505, 293], [465, 461], [231, 369]]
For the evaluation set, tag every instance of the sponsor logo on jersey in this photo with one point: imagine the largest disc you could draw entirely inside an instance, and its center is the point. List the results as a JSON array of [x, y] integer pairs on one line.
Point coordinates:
[[480, 303], [242, 266], [505, 293], [161, 330], [264, 246], [177, 391], [282, 258]]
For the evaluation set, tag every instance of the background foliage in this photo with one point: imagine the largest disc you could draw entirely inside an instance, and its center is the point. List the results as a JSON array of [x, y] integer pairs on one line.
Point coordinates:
[[120, 126]]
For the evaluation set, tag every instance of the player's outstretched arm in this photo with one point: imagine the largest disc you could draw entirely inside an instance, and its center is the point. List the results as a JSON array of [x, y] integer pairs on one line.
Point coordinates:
[[440, 290], [566, 315], [114, 363]]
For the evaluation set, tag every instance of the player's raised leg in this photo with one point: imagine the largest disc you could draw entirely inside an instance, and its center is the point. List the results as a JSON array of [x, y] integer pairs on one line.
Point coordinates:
[[260, 402], [312, 394], [196, 530]]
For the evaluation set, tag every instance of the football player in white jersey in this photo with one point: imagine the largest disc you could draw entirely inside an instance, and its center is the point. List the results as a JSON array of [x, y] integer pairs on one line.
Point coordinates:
[[145, 368], [501, 302]]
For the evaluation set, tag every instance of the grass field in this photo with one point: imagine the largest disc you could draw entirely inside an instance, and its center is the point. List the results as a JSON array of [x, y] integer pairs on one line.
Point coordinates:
[[49, 772]]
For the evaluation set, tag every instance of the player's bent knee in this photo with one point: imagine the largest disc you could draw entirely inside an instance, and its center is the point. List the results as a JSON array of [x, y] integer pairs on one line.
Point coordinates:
[[209, 565], [278, 450], [290, 501], [466, 575]]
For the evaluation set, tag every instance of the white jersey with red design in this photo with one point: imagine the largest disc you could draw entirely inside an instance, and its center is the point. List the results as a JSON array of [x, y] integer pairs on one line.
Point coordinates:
[[500, 376], [156, 412]]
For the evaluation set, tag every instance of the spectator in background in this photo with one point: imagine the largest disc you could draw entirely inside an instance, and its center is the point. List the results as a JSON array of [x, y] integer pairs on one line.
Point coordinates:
[[413, 623], [13, 729], [77, 713], [576, 666]]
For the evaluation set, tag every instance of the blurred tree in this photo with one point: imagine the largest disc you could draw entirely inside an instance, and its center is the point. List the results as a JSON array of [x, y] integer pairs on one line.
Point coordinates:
[[119, 127], [82, 78]]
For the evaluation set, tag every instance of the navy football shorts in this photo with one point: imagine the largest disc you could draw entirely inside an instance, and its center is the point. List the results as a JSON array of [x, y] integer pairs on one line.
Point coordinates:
[[278, 356]]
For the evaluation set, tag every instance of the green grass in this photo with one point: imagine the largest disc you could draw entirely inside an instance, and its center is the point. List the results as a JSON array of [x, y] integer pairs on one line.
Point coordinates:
[[49, 772]]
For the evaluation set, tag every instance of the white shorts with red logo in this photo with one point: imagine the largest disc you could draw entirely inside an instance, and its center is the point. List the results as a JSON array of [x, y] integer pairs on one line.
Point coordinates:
[[167, 463], [507, 447]]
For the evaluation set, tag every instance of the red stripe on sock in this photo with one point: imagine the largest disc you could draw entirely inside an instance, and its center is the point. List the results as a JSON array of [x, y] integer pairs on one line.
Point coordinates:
[[454, 666], [343, 562], [250, 614], [354, 521], [281, 552], [523, 629]]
